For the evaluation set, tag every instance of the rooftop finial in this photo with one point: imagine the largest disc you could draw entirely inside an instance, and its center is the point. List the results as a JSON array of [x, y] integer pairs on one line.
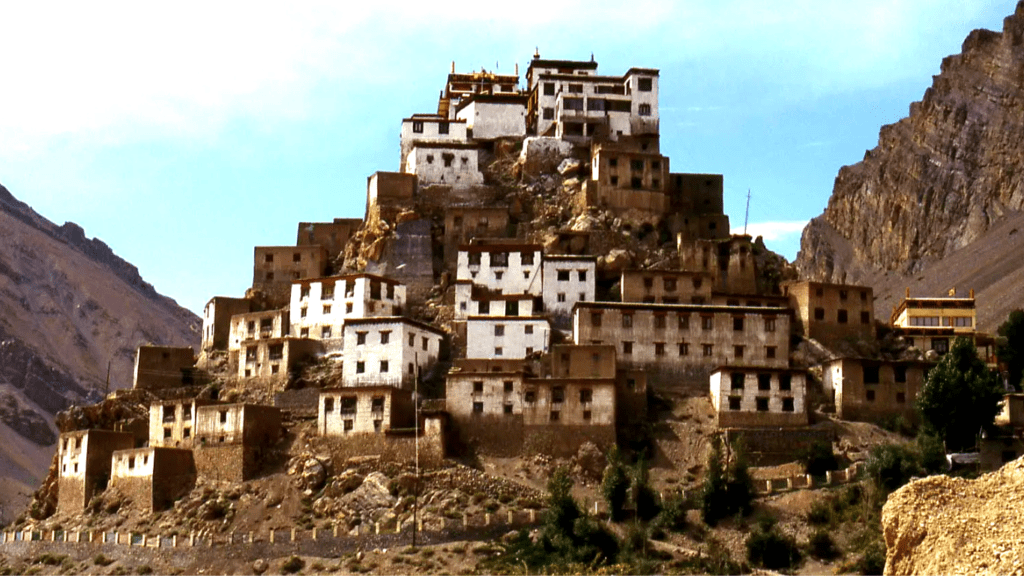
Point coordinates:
[[536, 52], [591, 55], [453, 66]]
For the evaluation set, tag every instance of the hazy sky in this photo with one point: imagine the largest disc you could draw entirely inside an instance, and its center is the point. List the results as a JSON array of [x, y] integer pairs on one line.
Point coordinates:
[[183, 134]]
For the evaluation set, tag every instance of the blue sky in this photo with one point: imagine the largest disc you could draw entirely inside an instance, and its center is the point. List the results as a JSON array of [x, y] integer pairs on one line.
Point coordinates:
[[183, 134]]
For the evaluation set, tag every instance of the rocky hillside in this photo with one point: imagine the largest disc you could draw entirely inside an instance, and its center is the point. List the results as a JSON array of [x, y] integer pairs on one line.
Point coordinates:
[[938, 182], [943, 525], [68, 307]]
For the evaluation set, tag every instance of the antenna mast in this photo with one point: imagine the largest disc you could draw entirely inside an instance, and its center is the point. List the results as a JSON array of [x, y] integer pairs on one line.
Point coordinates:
[[746, 216]]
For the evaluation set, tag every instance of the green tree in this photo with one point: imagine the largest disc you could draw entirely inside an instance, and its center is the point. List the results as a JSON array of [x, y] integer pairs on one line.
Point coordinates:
[[1011, 352], [960, 396], [714, 500], [738, 485], [645, 499], [892, 465], [615, 485]]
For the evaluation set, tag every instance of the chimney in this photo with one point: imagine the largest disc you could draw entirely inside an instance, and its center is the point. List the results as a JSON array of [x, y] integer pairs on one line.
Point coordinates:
[[908, 291], [453, 66], [517, 69], [972, 293]]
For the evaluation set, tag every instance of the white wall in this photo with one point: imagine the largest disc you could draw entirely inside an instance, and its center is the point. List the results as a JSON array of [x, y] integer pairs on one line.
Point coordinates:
[[490, 120], [515, 278], [483, 339], [572, 290]]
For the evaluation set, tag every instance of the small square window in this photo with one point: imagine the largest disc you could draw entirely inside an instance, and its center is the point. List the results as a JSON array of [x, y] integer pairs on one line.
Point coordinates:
[[627, 320], [499, 330], [360, 367], [530, 397], [901, 397], [734, 402], [684, 349], [627, 347], [787, 405], [478, 407], [841, 317], [761, 404], [554, 415], [349, 425], [708, 349], [764, 382], [819, 313], [738, 351], [595, 319], [507, 408], [360, 338], [737, 323], [383, 366], [528, 329], [736, 380], [498, 351], [707, 322], [769, 352], [785, 382], [870, 394], [659, 348]]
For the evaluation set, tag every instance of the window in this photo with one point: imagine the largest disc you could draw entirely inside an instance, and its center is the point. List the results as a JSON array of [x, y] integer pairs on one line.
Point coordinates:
[[417, 127], [586, 396], [841, 316], [843, 294], [528, 329], [276, 351], [499, 259], [268, 258], [644, 110], [901, 397], [785, 382], [769, 352], [549, 88], [448, 159], [186, 432], [563, 275], [560, 296], [586, 415], [328, 292], [385, 336], [669, 284], [737, 323], [940, 345], [478, 407], [769, 324], [549, 113], [223, 416], [871, 375], [865, 317], [325, 332], [498, 351], [507, 409], [554, 415], [484, 307], [738, 352], [499, 330], [328, 404], [512, 308], [412, 369], [304, 292], [348, 308], [527, 258], [442, 127], [509, 386], [270, 276], [684, 349], [348, 405], [327, 309], [627, 347], [899, 374], [167, 432], [659, 348], [423, 342], [736, 380], [659, 321], [557, 395], [707, 322], [349, 425], [530, 397], [498, 274], [572, 103], [819, 313], [576, 88], [708, 349], [787, 405], [761, 404], [360, 367], [581, 275], [360, 338], [734, 402], [870, 395], [627, 320], [383, 366], [595, 319], [644, 84], [684, 321], [764, 381]]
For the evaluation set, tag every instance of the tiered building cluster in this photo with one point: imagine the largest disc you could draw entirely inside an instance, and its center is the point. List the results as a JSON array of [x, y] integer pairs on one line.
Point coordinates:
[[531, 359]]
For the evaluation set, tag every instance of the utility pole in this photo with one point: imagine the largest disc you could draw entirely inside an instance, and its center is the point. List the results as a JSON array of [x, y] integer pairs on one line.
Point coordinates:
[[106, 388], [416, 441], [746, 215]]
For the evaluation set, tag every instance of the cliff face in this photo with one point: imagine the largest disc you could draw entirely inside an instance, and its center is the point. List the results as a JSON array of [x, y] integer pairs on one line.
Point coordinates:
[[939, 180], [68, 307]]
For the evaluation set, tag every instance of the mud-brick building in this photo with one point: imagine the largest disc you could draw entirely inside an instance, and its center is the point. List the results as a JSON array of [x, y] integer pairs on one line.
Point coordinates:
[[388, 351], [275, 267], [273, 360], [451, 164], [161, 367], [754, 397], [730, 261], [320, 306], [387, 193], [153, 477], [364, 410], [84, 460], [695, 205], [560, 414], [249, 327], [172, 422], [232, 439], [680, 344], [217, 321], [872, 390], [464, 223], [666, 287], [831, 313], [626, 177], [331, 235], [1004, 442]]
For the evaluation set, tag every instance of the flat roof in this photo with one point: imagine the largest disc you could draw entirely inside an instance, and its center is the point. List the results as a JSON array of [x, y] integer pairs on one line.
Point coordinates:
[[385, 279], [759, 369], [500, 247], [682, 307], [392, 320]]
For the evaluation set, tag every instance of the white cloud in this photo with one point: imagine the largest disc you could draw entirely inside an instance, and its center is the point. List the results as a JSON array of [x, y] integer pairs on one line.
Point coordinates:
[[773, 231]]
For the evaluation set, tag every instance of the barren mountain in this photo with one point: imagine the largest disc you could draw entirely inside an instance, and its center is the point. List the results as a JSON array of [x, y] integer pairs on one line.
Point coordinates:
[[69, 307], [936, 204]]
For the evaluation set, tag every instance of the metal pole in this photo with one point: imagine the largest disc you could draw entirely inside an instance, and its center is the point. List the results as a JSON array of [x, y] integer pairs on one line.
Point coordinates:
[[416, 442]]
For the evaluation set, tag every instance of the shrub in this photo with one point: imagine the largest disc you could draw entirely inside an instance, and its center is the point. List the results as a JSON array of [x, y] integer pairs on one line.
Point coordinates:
[[101, 560], [769, 548], [615, 485], [145, 569], [872, 561], [933, 454], [818, 458], [673, 514], [726, 491], [822, 546], [293, 565], [820, 513], [892, 465]]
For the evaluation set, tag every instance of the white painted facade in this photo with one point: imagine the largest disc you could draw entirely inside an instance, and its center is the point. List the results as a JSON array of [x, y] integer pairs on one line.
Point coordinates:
[[319, 307], [506, 336], [509, 268], [444, 164], [491, 304], [388, 351], [568, 280], [494, 119], [256, 326], [754, 396]]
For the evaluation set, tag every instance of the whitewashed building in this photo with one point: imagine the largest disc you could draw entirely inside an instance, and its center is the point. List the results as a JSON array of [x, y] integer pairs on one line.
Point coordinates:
[[568, 280], [510, 268], [388, 351], [429, 128], [445, 163], [492, 116], [474, 300], [320, 306], [254, 326], [758, 396], [506, 336]]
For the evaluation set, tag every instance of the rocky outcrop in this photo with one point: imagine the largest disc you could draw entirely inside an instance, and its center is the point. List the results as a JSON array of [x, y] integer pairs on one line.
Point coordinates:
[[943, 525], [939, 179]]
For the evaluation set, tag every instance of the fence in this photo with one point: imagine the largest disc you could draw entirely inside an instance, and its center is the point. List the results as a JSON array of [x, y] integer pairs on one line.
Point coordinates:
[[436, 530], [806, 481]]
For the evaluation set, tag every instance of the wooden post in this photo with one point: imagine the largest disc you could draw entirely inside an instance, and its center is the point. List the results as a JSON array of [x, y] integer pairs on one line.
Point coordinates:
[[293, 534], [487, 518], [828, 477], [511, 518], [376, 527], [314, 533], [271, 535], [533, 516], [191, 539], [174, 541], [810, 481]]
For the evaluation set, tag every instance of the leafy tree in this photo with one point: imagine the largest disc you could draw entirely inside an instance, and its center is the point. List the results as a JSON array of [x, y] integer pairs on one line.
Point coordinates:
[[819, 458], [645, 499], [770, 548], [615, 485], [933, 455], [1012, 351], [738, 484], [960, 396], [726, 491], [892, 465]]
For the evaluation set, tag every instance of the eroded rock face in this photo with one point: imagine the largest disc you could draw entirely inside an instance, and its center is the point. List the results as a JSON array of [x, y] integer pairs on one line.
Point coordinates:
[[939, 178], [943, 525]]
